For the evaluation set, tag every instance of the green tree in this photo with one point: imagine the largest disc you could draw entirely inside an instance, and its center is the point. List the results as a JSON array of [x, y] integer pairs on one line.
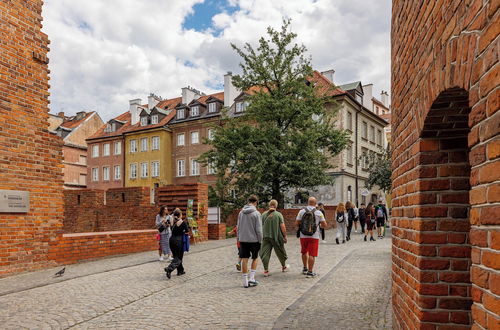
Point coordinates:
[[380, 170], [286, 135]]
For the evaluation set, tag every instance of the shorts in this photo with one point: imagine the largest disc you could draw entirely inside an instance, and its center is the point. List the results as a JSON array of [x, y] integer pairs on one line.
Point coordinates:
[[247, 249], [310, 246], [370, 225], [380, 222]]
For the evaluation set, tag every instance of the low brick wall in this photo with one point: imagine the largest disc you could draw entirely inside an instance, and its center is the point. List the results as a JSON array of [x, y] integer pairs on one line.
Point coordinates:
[[75, 247], [217, 231]]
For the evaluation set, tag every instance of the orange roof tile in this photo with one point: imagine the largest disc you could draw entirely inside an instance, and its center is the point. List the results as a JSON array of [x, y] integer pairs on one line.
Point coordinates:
[[138, 127], [72, 123], [124, 117]]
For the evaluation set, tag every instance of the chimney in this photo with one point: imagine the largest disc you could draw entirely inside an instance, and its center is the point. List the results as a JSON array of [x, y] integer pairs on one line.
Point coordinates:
[[153, 100], [329, 74], [367, 97], [61, 114], [134, 110], [189, 94], [230, 92], [80, 115], [384, 97]]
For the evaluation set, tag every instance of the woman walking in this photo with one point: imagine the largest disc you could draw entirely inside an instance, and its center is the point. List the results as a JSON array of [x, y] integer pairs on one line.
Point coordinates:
[[370, 221], [341, 219], [351, 216], [179, 228], [163, 225]]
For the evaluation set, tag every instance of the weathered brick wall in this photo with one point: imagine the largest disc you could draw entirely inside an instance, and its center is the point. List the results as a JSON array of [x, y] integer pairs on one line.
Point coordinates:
[[217, 231], [30, 157], [75, 247], [446, 258]]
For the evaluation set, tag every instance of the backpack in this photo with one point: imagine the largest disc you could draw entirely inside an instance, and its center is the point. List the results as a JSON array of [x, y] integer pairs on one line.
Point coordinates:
[[308, 224], [340, 218], [380, 213]]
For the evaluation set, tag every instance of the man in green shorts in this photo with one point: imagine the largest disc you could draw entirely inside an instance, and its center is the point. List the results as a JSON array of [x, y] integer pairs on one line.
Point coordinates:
[[274, 236]]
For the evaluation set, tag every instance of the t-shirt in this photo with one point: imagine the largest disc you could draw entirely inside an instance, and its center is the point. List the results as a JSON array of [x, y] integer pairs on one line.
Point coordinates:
[[271, 222], [319, 218]]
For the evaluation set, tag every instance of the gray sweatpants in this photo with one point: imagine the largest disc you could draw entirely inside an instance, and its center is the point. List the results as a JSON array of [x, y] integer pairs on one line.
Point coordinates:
[[341, 229]]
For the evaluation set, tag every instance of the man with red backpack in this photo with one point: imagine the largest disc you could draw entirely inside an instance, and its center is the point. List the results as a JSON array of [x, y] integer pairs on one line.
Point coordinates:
[[309, 220], [381, 215]]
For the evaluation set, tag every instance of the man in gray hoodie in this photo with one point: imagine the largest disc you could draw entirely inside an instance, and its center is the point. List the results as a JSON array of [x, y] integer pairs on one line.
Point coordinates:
[[250, 238]]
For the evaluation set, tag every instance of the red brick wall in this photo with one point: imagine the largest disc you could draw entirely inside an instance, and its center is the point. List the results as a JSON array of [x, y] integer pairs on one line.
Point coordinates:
[[217, 231], [445, 164], [30, 157], [72, 248]]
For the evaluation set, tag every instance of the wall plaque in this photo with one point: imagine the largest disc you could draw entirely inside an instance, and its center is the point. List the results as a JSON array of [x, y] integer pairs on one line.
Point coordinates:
[[14, 201]]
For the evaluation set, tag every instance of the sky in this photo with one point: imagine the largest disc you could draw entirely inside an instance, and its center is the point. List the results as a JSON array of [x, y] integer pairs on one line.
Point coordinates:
[[104, 53]]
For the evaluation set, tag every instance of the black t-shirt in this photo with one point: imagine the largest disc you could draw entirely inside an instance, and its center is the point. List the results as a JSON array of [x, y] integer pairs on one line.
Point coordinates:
[[179, 230], [362, 215]]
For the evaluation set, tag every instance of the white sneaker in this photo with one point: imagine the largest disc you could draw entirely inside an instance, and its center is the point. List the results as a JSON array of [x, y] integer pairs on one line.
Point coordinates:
[[161, 258], [285, 268], [323, 241], [170, 259]]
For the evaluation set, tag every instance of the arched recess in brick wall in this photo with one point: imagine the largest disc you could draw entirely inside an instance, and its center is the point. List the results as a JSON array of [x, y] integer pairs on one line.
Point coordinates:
[[442, 187]]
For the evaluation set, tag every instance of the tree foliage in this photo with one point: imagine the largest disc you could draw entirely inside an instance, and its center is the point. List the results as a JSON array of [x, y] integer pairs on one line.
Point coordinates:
[[285, 137], [380, 170]]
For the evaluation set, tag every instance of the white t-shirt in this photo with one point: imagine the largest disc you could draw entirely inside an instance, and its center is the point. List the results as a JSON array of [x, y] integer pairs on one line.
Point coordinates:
[[319, 218]]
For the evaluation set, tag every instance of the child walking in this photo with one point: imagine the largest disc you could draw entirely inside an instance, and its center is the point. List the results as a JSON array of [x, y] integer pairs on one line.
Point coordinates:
[[341, 219]]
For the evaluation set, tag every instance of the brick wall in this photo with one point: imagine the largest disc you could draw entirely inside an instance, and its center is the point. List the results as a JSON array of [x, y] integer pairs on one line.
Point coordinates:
[[30, 157], [217, 231], [446, 171]]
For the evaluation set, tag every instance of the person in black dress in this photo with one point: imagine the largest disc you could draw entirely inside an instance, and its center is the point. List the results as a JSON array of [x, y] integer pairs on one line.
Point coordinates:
[[179, 228]]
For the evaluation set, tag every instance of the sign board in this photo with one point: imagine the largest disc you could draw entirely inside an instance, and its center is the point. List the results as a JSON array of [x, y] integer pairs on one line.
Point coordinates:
[[365, 192], [14, 201]]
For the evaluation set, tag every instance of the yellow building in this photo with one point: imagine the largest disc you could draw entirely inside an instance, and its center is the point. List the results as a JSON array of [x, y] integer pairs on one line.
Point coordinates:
[[148, 148]]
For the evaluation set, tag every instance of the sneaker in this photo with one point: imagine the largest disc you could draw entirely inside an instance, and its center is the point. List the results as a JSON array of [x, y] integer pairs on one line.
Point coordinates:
[[372, 239], [311, 274], [285, 268], [365, 238], [181, 273], [161, 258], [304, 271], [253, 283], [337, 240], [343, 241], [323, 241], [168, 273], [266, 273], [238, 266]]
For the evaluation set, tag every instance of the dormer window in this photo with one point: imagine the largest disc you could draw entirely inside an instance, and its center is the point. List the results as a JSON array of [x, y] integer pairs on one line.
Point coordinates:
[[359, 98], [195, 111], [241, 106], [144, 121], [154, 119], [212, 107], [181, 114], [113, 127], [108, 128]]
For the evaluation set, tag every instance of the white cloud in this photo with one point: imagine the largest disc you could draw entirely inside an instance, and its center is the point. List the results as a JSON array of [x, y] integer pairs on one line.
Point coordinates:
[[104, 53]]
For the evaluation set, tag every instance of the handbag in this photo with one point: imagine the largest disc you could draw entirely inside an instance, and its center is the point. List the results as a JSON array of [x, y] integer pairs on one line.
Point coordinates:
[[161, 228]]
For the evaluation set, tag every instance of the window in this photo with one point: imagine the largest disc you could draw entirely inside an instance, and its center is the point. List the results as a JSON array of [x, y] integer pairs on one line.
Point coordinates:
[[118, 172], [144, 144], [133, 171], [359, 98], [212, 107], [181, 113], [154, 119], [113, 127], [210, 133], [377, 110], [118, 148], [195, 137], [241, 106], [82, 179], [180, 139], [364, 159], [95, 151], [349, 193], [349, 121], [180, 168], [195, 111], [133, 146], [95, 174], [349, 154], [155, 141], [372, 134], [105, 149], [195, 167], [108, 128], [155, 169], [364, 134], [379, 137], [144, 170], [210, 168], [83, 160], [105, 173], [144, 121]]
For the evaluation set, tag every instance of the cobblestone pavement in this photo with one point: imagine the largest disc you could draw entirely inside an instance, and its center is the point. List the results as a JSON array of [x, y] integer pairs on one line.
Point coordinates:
[[352, 291]]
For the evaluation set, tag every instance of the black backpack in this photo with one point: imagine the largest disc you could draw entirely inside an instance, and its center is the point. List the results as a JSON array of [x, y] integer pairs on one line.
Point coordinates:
[[308, 224]]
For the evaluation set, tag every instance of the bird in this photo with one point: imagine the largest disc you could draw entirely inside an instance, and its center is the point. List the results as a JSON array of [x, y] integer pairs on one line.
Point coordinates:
[[60, 273]]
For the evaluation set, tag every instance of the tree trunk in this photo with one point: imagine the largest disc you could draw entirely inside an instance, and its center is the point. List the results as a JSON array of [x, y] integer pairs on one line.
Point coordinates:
[[277, 194]]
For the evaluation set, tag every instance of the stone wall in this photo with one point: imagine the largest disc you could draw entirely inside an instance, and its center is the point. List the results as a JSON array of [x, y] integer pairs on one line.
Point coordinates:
[[30, 157], [446, 170]]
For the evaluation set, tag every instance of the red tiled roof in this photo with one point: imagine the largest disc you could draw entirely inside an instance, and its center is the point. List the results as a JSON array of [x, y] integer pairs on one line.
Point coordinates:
[[169, 104], [164, 121], [124, 117], [72, 123], [375, 100], [203, 99], [324, 86]]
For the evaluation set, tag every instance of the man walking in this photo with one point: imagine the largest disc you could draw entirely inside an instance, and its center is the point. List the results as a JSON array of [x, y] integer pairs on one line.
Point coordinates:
[[274, 232], [309, 220], [362, 217], [250, 238], [381, 215]]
